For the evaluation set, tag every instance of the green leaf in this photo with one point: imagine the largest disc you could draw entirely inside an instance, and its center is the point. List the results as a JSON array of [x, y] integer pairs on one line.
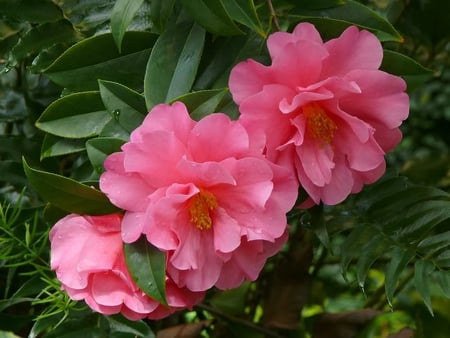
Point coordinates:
[[173, 63], [68, 194], [350, 13], [31, 10], [122, 14], [76, 115], [79, 67], [202, 103], [99, 148], [119, 325], [232, 301], [443, 278], [115, 130], [43, 36], [126, 106], [422, 271], [212, 15], [56, 146], [399, 260], [244, 12], [159, 14], [226, 53], [147, 266], [410, 70]]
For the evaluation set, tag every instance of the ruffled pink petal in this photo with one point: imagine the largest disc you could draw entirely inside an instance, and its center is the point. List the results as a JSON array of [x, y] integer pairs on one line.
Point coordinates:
[[317, 162], [116, 183], [133, 224], [206, 144], [165, 117], [353, 49], [382, 99], [294, 67], [227, 232], [155, 158], [205, 174], [340, 186], [248, 78]]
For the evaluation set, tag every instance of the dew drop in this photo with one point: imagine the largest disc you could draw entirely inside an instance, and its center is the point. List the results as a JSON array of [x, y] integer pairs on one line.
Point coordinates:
[[116, 114]]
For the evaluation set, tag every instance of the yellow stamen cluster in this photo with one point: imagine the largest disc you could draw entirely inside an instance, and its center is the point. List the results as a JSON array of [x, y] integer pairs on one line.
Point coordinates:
[[318, 125], [200, 207]]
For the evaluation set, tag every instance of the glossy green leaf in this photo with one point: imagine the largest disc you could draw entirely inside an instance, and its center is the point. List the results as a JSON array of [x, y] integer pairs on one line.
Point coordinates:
[[227, 52], [125, 105], [244, 12], [350, 13], [320, 4], [147, 266], [370, 252], [202, 103], [68, 194], [436, 243], [43, 36], [99, 148], [410, 70], [159, 14], [232, 301], [212, 15], [56, 146], [399, 260], [119, 326], [443, 278], [115, 130], [122, 15], [422, 271], [82, 65], [38, 11], [77, 115], [173, 63]]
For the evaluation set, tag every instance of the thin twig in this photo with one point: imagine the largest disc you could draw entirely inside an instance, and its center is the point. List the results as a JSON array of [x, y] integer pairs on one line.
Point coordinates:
[[217, 312], [273, 14]]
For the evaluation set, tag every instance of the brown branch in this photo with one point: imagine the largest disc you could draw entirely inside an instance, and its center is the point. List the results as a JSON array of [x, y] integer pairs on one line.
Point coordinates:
[[273, 14]]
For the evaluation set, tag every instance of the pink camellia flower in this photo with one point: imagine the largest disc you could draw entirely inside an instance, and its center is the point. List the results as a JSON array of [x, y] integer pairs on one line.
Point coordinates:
[[87, 254], [324, 108], [202, 193]]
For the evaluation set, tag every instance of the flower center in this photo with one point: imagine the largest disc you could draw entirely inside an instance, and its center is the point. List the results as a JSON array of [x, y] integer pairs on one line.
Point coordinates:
[[200, 207], [318, 125]]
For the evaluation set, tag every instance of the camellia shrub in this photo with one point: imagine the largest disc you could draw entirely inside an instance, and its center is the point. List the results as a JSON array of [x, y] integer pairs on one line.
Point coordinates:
[[220, 168]]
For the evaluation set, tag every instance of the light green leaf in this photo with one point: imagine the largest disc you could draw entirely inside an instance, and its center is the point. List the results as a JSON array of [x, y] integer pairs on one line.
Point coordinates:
[[125, 105], [68, 194], [212, 15], [422, 271], [173, 63], [350, 13], [38, 11], [80, 67], [7, 334], [147, 266], [244, 12], [122, 14], [56, 146], [76, 115], [99, 148]]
